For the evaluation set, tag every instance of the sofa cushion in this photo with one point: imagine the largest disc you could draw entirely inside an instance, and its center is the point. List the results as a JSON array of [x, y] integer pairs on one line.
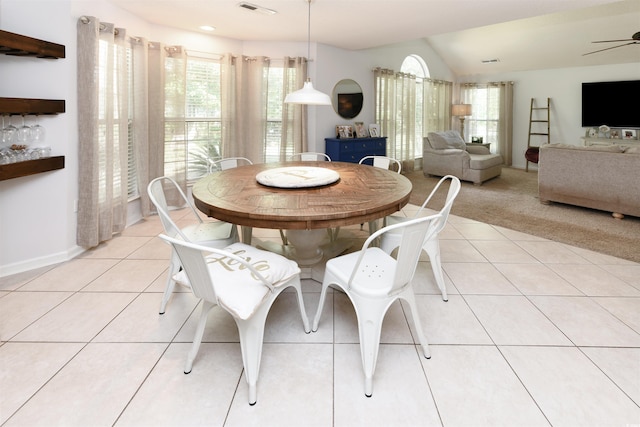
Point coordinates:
[[446, 139], [604, 148], [484, 161], [479, 149]]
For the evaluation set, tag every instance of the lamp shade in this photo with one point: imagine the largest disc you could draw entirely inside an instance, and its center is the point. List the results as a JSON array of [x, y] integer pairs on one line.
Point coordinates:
[[308, 96], [461, 109]]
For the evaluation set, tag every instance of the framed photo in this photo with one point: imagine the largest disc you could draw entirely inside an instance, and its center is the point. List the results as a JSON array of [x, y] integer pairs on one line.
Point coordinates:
[[361, 131], [628, 134], [592, 133], [374, 130], [615, 134], [344, 131]]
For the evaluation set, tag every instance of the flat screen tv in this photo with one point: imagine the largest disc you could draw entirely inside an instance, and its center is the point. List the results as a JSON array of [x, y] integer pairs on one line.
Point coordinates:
[[614, 104], [349, 104]]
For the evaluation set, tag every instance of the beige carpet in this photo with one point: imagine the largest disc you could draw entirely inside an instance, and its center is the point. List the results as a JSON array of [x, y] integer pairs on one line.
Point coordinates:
[[511, 201]]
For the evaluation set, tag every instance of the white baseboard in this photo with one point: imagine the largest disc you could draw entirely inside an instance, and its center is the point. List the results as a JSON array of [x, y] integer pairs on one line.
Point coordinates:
[[45, 261]]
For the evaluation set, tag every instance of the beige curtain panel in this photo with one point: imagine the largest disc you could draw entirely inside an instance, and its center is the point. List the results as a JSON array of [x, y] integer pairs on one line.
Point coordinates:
[[102, 131]]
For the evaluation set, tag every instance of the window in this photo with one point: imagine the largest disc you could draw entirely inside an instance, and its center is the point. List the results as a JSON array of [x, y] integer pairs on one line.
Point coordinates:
[[492, 118], [415, 65], [203, 131], [275, 100], [109, 119], [485, 104]]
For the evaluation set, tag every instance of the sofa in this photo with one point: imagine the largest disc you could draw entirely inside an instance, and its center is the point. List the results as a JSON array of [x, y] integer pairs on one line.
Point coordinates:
[[446, 153], [597, 177]]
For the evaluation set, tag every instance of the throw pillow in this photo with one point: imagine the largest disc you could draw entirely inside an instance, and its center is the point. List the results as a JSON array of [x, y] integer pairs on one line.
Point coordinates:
[[273, 267], [446, 139]]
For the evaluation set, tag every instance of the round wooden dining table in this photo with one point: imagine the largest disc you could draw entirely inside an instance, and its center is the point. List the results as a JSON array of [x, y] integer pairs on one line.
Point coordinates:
[[361, 194]]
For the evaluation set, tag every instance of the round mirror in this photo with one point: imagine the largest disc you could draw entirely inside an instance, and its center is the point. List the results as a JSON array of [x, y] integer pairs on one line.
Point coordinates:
[[347, 98]]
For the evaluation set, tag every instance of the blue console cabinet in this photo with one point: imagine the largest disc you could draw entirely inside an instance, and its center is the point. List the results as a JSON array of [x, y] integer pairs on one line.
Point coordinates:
[[352, 150]]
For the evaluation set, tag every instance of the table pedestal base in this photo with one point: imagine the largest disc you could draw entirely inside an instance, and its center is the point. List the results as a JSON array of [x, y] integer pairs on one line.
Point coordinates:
[[306, 247]]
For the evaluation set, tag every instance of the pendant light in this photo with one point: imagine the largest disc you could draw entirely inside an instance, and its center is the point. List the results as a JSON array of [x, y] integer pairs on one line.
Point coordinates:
[[308, 95]]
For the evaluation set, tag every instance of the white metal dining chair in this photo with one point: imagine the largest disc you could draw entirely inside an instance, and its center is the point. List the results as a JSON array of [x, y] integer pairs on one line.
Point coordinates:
[[383, 162], [218, 234], [373, 280], [245, 282], [431, 246], [310, 156], [228, 163]]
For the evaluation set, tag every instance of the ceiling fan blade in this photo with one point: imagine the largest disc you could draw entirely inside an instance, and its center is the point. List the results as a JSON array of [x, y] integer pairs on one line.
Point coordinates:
[[609, 48], [611, 41]]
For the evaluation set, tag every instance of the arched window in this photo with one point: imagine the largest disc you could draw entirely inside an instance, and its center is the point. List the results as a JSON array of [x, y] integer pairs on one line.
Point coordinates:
[[409, 104], [414, 64]]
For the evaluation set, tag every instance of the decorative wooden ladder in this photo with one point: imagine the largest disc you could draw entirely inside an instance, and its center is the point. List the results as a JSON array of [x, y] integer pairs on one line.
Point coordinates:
[[538, 118]]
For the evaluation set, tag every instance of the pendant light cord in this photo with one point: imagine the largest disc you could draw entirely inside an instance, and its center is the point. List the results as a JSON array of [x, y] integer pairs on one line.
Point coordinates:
[[309, 33]]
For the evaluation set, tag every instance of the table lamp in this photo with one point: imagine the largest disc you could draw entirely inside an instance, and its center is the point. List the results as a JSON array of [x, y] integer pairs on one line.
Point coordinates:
[[461, 110]]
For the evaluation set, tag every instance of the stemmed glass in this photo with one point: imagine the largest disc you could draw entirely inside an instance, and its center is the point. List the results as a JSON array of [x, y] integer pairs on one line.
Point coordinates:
[[37, 133], [24, 134], [9, 133]]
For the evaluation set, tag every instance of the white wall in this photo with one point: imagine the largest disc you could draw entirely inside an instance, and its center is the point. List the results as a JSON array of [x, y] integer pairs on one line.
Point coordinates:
[[564, 87], [37, 222]]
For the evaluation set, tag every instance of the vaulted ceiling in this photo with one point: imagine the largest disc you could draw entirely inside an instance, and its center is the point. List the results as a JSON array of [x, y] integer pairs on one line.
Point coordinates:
[[519, 34]]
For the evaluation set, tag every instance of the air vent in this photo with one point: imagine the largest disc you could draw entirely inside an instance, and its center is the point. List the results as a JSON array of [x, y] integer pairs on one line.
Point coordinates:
[[490, 61], [256, 8]]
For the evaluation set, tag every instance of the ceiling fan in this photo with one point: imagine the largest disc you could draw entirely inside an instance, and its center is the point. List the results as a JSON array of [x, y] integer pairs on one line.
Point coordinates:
[[635, 39]]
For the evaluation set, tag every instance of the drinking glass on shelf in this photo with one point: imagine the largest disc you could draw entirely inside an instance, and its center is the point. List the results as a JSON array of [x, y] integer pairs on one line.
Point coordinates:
[[24, 134], [37, 133], [9, 133]]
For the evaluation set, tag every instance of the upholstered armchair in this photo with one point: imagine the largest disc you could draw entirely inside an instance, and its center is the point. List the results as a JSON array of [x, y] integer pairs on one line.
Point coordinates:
[[446, 153]]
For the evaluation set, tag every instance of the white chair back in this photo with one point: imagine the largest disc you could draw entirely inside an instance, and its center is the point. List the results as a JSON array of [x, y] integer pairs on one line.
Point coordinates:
[[228, 163], [454, 189], [382, 162], [195, 266], [156, 190], [413, 235], [310, 157]]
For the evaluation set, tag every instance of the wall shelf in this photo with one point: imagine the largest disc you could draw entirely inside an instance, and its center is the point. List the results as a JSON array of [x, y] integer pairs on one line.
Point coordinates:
[[19, 45], [26, 106], [31, 167]]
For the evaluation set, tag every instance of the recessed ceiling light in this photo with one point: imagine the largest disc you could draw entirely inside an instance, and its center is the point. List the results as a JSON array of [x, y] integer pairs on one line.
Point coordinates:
[[256, 8], [207, 28]]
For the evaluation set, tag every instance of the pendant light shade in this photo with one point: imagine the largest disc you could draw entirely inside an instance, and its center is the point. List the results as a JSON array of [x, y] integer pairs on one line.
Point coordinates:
[[308, 95]]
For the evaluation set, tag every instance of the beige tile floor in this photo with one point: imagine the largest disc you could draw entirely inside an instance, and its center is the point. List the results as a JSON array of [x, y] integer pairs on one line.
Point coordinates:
[[535, 333]]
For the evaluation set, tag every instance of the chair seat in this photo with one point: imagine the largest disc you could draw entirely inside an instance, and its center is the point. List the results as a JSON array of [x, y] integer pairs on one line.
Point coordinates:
[[375, 276], [238, 290]]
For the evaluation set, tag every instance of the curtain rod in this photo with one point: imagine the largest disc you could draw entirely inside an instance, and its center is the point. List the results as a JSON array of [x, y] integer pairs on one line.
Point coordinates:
[[429, 79], [86, 19]]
